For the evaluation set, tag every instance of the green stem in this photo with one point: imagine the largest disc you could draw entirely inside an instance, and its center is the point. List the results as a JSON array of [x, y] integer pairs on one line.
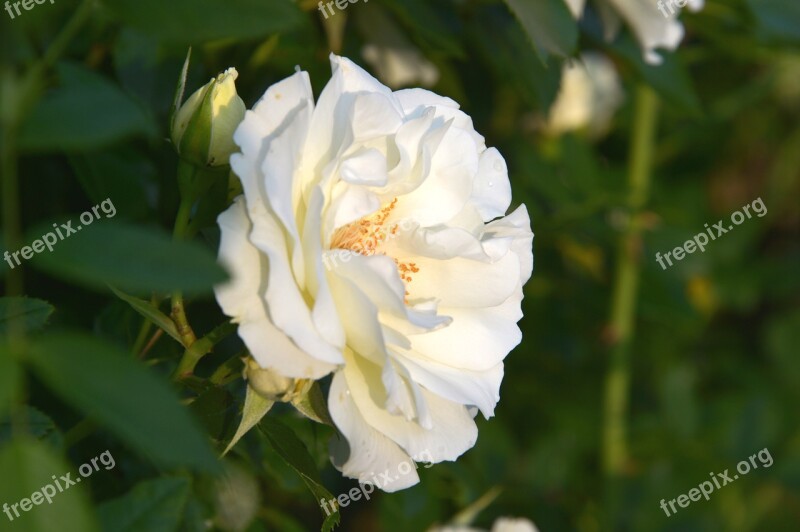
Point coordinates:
[[141, 338], [186, 173], [200, 348], [188, 338], [182, 218], [144, 330], [626, 285]]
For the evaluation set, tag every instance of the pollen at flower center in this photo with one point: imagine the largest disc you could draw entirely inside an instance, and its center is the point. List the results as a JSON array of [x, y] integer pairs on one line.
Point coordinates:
[[365, 236]]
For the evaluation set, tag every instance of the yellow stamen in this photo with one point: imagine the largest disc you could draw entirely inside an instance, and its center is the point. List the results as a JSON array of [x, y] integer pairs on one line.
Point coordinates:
[[364, 236]]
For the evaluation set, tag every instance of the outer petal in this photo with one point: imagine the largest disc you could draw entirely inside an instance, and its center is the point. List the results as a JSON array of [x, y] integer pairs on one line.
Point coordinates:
[[491, 191], [283, 295], [517, 226], [466, 387], [242, 299], [489, 283], [274, 112], [365, 452], [271, 138], [477, 339], [453, 432]]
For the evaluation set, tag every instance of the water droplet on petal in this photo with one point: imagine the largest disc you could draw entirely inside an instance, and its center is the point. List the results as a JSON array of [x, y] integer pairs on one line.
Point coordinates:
[[491, 184], [498, 166]]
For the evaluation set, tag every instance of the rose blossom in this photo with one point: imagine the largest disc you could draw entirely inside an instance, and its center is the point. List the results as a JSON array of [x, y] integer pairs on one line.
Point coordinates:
[[371, 242]]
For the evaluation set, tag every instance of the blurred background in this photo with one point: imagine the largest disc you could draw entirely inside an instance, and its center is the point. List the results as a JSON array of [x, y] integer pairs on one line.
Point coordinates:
[[632, 382]]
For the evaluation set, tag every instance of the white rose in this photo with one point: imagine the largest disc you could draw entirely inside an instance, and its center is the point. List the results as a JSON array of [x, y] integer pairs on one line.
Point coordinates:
[[364, 246], [646, 18]]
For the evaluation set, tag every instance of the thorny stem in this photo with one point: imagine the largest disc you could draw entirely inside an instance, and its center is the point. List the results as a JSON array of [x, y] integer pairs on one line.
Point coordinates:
[[626, 284]]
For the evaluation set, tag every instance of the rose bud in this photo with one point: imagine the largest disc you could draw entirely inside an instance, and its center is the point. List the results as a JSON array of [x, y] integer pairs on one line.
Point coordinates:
[[202, 129]]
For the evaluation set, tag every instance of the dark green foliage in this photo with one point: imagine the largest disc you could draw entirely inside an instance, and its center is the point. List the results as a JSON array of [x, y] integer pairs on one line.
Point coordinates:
[[88, 355]]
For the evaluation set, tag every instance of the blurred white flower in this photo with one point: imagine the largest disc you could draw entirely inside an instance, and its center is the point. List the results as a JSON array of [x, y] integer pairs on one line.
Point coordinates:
[[415, 327], [652, 29], [513, 524], [390, 53], [502, 524], [400, 66], [589, 96]]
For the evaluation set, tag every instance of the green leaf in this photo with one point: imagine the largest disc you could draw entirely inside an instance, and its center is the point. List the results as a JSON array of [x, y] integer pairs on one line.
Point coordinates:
[[130, 258], [119, 393], [31, 313], [255, 408], [27, 466], [216, 409], [549, 25], [121, 174], [670, 79], [86, 111], [38, 425], [197, 21], [313, 405], [505, 50], [180, 88], [425, 24], [153, 505], [295, 453], [149, 312]]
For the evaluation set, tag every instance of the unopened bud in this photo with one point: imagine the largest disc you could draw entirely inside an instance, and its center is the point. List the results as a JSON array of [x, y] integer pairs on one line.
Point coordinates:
[[270, 384], [202, 129]]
